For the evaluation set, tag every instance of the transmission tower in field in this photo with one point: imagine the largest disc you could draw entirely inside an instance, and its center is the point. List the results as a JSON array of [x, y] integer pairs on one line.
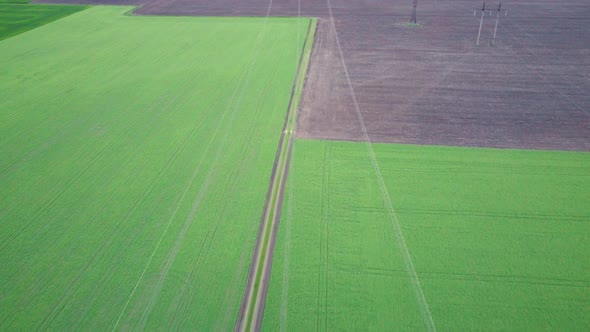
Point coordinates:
[[483, 9], [497, 19], [413, 19]]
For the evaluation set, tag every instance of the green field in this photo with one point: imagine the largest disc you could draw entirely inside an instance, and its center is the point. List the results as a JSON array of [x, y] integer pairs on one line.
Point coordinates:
[[499, 240], [20, 2], [134, 163], [15, 19]]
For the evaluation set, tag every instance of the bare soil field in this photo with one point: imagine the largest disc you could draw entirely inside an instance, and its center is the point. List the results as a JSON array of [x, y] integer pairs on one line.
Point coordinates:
[[431, 84]]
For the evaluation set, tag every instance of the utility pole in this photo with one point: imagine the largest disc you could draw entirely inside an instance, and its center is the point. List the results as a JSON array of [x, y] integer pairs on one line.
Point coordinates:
[[413, 19], [483, 9], [497, 19]]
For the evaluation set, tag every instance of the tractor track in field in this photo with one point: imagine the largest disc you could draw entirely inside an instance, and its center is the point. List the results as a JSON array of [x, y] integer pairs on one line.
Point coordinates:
[[243, 82], [254, 298]]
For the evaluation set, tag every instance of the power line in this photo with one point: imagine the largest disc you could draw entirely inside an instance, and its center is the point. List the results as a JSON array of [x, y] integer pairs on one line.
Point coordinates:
[[497, 19], [483, 9]]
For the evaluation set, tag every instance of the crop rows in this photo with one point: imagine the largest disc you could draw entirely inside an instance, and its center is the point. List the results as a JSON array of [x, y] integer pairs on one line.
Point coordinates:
[[134, 167], [497, 238], [136, 152]]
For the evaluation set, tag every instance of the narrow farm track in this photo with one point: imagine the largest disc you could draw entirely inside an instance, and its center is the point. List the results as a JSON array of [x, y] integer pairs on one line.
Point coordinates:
[[252, 308], [231, 109]]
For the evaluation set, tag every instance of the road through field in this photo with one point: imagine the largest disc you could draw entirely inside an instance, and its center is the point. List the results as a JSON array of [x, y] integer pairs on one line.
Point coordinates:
[[253, 302], [136, 153]]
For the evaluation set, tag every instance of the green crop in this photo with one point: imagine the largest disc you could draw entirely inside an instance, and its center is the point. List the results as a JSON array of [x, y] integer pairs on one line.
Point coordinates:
[[15, 19], [498, 239], [135, 159], [19, 2]]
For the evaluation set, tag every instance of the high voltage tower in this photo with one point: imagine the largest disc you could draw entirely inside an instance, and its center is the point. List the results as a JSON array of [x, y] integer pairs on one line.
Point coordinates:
[[497, 19], [413, 19], [483, 9]]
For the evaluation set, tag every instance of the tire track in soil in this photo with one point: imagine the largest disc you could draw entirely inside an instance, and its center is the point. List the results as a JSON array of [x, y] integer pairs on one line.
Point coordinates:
[[300, 75]]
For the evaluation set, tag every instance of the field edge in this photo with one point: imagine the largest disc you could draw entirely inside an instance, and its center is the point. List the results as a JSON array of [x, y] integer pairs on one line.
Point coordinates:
[[252, 308]]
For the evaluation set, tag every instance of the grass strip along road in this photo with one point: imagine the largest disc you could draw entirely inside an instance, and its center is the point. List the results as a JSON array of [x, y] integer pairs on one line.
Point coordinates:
[[250, 317]]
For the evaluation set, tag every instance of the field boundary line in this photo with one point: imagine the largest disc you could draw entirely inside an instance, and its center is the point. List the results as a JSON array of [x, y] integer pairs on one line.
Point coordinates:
[[246, 293], [252, 308], [285, 277], [289, 130], [426, 315]]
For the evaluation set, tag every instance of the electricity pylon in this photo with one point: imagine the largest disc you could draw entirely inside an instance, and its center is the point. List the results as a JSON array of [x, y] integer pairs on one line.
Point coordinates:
[[413, 19], [483, 9], [497, 19]]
